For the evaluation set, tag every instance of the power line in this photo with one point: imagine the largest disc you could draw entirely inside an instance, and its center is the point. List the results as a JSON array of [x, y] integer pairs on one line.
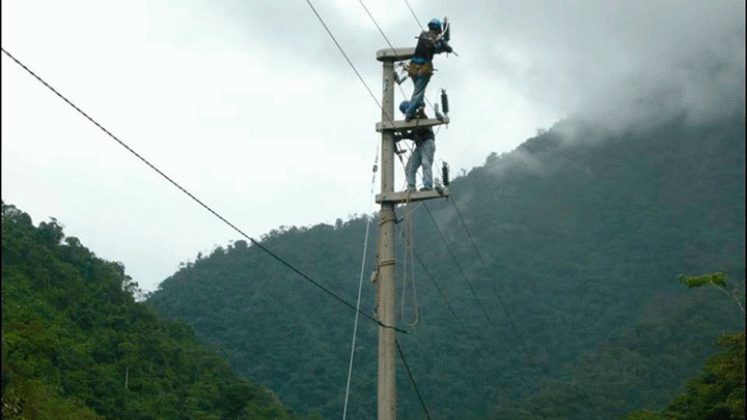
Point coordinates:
[[414, 16], [492, 283], [390, 45], [198, 201], [382, 34], [438, 288], [443, 296], [464, 276], [412, 379], [472, 289], [487, 273], [377, 25], [339, 47]]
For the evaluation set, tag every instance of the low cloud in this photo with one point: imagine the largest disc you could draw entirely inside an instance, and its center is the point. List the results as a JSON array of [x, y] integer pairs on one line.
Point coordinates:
[[626, 63]]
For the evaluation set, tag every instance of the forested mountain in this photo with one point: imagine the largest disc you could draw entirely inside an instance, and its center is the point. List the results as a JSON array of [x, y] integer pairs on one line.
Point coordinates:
[[76, 345], [545, 287]]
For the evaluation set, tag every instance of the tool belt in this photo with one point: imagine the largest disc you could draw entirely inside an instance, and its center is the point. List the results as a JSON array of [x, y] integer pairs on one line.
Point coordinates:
[[419, 70]]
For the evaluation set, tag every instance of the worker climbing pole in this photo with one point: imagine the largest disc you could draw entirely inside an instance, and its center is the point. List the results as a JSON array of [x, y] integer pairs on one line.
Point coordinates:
[[430, 42], [416, 126]]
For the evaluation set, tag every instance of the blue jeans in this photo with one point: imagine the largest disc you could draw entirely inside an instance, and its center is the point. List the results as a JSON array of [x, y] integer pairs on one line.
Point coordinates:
[[421, 156], [417, 95]]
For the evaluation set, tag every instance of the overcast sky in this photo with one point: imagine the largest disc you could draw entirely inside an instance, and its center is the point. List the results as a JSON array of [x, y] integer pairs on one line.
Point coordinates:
[[250, 106]]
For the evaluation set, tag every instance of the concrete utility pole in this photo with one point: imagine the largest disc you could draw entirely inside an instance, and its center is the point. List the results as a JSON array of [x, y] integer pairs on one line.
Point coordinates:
[[387, 395]]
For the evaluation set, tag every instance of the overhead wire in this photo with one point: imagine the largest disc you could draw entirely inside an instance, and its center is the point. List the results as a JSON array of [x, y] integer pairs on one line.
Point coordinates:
[[438, 288], [198, 201], [390, 44], [414, 15], [490, 321], [412, 379], [510, 318], [464, 276], [461, 321], [344, 54], [389, 118], [485, 267]]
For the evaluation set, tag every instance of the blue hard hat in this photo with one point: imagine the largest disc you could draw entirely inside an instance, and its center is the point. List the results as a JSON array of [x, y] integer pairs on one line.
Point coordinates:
[[404, 106], [434, 24]]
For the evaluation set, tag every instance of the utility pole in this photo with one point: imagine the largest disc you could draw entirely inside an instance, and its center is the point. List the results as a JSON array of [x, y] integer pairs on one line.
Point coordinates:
[[387, 395]]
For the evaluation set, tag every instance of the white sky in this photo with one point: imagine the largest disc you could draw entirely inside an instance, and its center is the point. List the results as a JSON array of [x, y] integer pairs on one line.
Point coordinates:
[[250, 106]]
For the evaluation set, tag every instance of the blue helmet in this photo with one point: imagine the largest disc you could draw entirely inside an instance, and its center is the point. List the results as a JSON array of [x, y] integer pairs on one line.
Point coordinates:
[[404, 106], [434, 24]]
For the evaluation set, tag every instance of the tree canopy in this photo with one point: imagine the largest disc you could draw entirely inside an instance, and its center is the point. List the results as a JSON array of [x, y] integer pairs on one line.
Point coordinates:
[[76, 344]]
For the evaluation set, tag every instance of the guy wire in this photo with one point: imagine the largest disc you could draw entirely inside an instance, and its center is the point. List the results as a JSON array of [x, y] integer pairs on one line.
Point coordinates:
[[360, 286]]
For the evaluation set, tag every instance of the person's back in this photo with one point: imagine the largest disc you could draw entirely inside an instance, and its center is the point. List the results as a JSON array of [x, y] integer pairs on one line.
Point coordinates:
[[425, 49]]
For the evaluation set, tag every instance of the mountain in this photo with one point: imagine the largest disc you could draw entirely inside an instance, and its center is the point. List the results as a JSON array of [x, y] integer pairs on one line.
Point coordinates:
[[77, 345], [545, 287]]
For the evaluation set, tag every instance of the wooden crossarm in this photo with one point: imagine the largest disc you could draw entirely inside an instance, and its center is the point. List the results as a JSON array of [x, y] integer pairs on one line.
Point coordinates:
[[402, 125], [402, 197]]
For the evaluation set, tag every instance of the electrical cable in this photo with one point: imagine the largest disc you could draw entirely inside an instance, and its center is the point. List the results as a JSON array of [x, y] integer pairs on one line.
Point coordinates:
[[383, 35], [492, 324], [412, 379], [414, 15], [487, 273], [205, 206], [339, 47], [360, 287], [477, 345], [377, 25], [517, 331], [438, 288], [464, 276], [443, 296], [390, 46]]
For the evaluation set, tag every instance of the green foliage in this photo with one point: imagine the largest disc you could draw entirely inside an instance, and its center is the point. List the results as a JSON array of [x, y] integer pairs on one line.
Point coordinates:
[[76, 344], [717, 279], [718, 394], [36, 400]]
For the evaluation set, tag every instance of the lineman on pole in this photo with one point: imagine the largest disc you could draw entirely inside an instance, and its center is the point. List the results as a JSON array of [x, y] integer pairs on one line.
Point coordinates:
[[425, 149], [420, 70]]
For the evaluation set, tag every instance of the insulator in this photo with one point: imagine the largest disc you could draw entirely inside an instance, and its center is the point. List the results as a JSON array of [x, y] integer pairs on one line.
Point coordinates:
[[444, 101], [445, 174]]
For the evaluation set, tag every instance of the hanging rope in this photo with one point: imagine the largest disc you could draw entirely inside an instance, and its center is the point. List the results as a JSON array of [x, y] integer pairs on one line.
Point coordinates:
[[360, 286]]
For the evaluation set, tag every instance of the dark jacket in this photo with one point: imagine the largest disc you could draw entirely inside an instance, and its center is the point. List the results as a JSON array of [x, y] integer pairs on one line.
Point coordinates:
[[418, 135], [428, 45]]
